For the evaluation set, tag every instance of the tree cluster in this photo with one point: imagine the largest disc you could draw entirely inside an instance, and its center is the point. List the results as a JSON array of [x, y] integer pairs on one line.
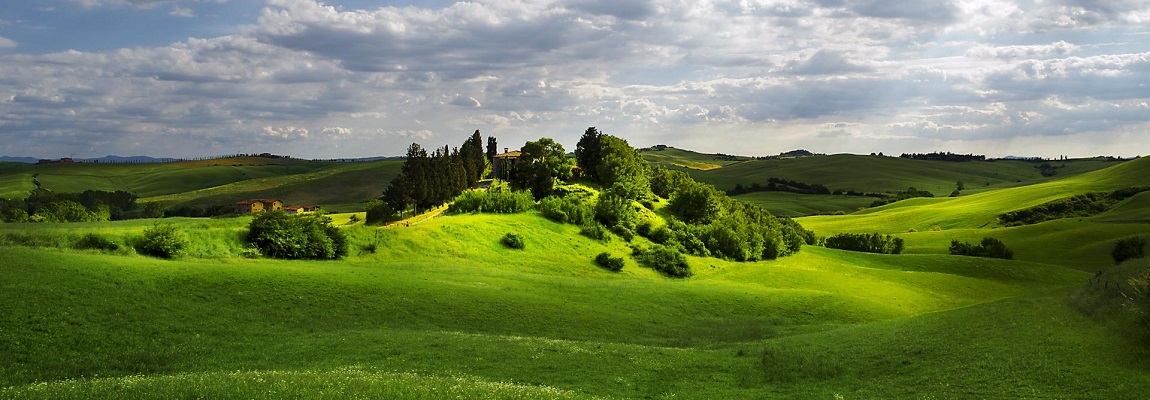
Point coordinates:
[[989, 247], [947, 156], [1048, 170], [1082, 205], [613, 163], [865, 242], [540, 165], [431, 179], [305, 236], [43, 205], [909, 193], [782, 185]]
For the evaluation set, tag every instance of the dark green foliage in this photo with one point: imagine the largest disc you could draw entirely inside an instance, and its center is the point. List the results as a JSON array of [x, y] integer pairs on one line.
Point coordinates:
[[696, 203], [783, 185], [613, 210], [870, 243], [93, 205], [623, 232], [513, 241], [909, 193], [587, 153], [379, 212], [1083, 205], [611, 263], [566, 210], [665, 260], [492, 201], [622, 169], [306, 236], [947, 156], [431, 179], [1048, 170], [540, 164], [595, 231], [92, 241], [990, 247], [1128, 249], [665, 182], [163, 241]]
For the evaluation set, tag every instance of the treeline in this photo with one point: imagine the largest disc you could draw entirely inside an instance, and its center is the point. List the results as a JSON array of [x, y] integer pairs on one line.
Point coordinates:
[[781, 185], [428, 180], [947, 156], [865, 242], [909, 193], [1082, 205], [43, 205]]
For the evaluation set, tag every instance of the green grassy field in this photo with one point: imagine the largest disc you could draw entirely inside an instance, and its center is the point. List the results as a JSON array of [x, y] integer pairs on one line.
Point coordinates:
[[335, 186], [441, 309]]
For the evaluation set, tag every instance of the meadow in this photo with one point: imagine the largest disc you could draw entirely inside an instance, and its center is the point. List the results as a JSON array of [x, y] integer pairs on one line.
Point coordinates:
[[441, 309]]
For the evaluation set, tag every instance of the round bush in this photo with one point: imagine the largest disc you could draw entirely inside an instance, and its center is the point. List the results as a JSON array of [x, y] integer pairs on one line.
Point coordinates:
[[605, 260], [513, 241], [164, 241]]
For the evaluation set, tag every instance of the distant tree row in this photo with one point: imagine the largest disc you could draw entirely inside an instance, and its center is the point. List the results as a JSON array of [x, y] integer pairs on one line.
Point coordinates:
[[1082, 205], [909, 193], [947, 156], [781, 185], [43, 205], [870, 243]]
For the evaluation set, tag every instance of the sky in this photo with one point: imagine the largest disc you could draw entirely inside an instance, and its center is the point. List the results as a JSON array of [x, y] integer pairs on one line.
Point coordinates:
[[355, 78]]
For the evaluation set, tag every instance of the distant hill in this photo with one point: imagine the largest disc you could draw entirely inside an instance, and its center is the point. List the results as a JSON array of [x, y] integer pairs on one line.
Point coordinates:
[[29, 160]]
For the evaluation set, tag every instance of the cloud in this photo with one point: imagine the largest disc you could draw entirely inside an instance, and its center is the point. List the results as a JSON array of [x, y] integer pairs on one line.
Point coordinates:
[[7, 43], [1059, 48], [826, 62], [324, 80], [178, 11]]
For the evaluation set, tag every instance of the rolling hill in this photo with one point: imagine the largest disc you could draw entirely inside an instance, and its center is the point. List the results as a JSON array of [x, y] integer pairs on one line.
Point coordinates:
[[440, 308]]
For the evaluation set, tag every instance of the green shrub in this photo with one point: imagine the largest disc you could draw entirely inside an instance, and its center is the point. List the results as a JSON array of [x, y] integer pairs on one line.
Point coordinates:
[[93, 241], [1128, 248], [162, 240], [513, 241], [665, 260], [379, 212], [595, 231], [307, 236], [498, 202], [605, 260], [624, 233], [614, 210], [566, 210], [870, 243], [990, 247]]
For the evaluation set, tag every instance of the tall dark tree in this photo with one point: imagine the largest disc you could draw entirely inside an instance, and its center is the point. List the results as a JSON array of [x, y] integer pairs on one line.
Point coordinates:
[[474, 160], [492, 148], [587, 153]]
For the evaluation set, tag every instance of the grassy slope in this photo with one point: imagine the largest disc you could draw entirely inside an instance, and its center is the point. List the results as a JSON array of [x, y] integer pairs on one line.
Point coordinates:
[[888, 174], [443, 298], [1082, 243], [672, 157], [338, 186], [796, 205]]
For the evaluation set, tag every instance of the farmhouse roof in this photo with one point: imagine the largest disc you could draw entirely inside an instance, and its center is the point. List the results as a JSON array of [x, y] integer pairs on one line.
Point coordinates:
[[510, 154]]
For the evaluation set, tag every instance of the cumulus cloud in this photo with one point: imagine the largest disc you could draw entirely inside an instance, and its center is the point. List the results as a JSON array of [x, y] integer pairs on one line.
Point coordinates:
[[7, 43], [307, 74]]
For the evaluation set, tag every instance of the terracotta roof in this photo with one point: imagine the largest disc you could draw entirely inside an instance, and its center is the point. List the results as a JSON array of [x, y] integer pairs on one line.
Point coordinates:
[[510, 154]]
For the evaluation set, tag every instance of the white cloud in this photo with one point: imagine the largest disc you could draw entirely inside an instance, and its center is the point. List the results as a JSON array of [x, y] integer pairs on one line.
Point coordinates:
[[762, 73], [184, 12], [7, 43]]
